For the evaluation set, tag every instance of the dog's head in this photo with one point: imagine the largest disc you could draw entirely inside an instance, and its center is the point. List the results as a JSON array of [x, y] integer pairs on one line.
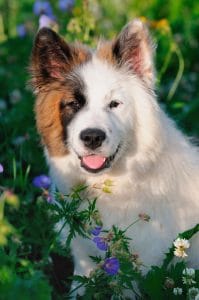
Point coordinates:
[[88, 101]]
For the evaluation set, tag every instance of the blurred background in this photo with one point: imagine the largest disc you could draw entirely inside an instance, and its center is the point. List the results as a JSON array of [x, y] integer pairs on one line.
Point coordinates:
[[25, 232]]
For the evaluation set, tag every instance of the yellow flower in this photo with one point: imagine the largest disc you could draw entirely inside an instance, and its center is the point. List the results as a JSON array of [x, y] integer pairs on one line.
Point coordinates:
[[11, 198], [162, 24], [107, 190], [108, 183], [105, 186]]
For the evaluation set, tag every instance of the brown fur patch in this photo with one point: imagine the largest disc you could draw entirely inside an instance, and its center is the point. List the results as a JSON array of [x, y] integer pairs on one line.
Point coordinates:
[[55, 109], [48, 121], [105, 52]]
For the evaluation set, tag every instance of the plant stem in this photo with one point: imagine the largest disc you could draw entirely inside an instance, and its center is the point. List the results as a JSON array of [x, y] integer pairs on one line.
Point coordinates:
[[131, 225], [174, 86], [165, 64], [1, 209], [79, 286], [52, 244]]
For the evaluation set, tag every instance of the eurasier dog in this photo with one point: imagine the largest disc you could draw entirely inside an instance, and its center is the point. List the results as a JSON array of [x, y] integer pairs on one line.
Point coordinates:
[[99, 119]]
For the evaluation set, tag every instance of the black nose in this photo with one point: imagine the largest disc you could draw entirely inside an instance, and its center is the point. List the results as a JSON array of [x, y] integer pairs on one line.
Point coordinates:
[[92, 137]]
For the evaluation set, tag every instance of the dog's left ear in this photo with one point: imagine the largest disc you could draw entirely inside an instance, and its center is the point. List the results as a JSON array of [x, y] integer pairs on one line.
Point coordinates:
[[134, 48], [52, 59]]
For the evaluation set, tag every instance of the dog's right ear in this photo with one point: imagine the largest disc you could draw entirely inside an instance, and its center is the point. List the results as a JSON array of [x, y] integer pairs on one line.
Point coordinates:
[[134, 48], [52, 59]]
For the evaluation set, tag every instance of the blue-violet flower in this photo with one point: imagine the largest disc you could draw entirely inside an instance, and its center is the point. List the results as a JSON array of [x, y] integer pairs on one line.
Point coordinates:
[[43, 7], [42, 181], [96, 231], [65, 5], [21, 30], [100, 243], [111, 265]]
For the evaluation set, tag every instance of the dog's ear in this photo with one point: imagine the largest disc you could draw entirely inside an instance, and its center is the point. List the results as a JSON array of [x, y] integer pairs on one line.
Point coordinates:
[[52, 59], [134, 48]]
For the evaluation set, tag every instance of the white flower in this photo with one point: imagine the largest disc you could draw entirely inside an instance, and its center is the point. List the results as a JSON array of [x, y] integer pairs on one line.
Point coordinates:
[[181, 243], [193, 293], [177, 291], [189, 272], [180, 246], [189, 275], [180, 253], [188, 280]]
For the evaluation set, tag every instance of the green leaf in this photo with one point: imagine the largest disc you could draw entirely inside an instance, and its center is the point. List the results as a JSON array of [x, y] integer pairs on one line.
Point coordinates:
[[80, 279], [189, 233], [96, 259], [152, 285]]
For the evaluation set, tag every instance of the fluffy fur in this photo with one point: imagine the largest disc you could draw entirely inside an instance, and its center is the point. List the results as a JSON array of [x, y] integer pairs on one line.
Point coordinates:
[[154, 170]]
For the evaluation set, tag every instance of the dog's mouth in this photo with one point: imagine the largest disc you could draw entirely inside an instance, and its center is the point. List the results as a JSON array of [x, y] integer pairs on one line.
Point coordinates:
[[95, 163]]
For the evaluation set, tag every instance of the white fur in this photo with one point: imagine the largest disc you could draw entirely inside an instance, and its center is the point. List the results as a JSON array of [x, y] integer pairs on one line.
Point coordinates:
[[156, 170]]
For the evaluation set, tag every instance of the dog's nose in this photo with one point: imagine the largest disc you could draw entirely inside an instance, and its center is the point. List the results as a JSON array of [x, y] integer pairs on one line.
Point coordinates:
[[92, 137]]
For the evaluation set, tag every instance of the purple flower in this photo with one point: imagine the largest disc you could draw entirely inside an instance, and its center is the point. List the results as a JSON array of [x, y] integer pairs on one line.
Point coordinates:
[[65, 5], [21, 30], [96, 231], [42, 181], [43, 7], [1, 168], [111, 265], [100, 243], [49, 198]]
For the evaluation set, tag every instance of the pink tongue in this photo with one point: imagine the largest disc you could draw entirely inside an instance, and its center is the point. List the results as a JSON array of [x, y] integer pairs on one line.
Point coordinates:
[[93, 161]]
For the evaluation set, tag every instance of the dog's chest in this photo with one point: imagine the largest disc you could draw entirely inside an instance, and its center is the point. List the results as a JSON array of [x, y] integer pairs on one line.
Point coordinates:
[[121, 204]]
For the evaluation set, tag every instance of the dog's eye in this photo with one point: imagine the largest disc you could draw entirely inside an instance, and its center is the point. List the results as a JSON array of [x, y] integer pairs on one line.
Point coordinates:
[[114, 104], [74, 104]]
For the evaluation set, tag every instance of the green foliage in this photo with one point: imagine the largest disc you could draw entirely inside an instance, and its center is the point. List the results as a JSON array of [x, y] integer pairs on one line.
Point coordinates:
[[158, 283], [15, 287], [68, 211], [27, 254]]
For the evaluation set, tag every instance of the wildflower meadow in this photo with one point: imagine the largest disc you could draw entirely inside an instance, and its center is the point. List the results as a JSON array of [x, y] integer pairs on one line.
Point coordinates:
[[34, 262]]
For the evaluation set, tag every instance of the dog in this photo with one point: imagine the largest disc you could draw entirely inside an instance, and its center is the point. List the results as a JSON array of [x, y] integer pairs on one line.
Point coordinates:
[[99, 119]]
